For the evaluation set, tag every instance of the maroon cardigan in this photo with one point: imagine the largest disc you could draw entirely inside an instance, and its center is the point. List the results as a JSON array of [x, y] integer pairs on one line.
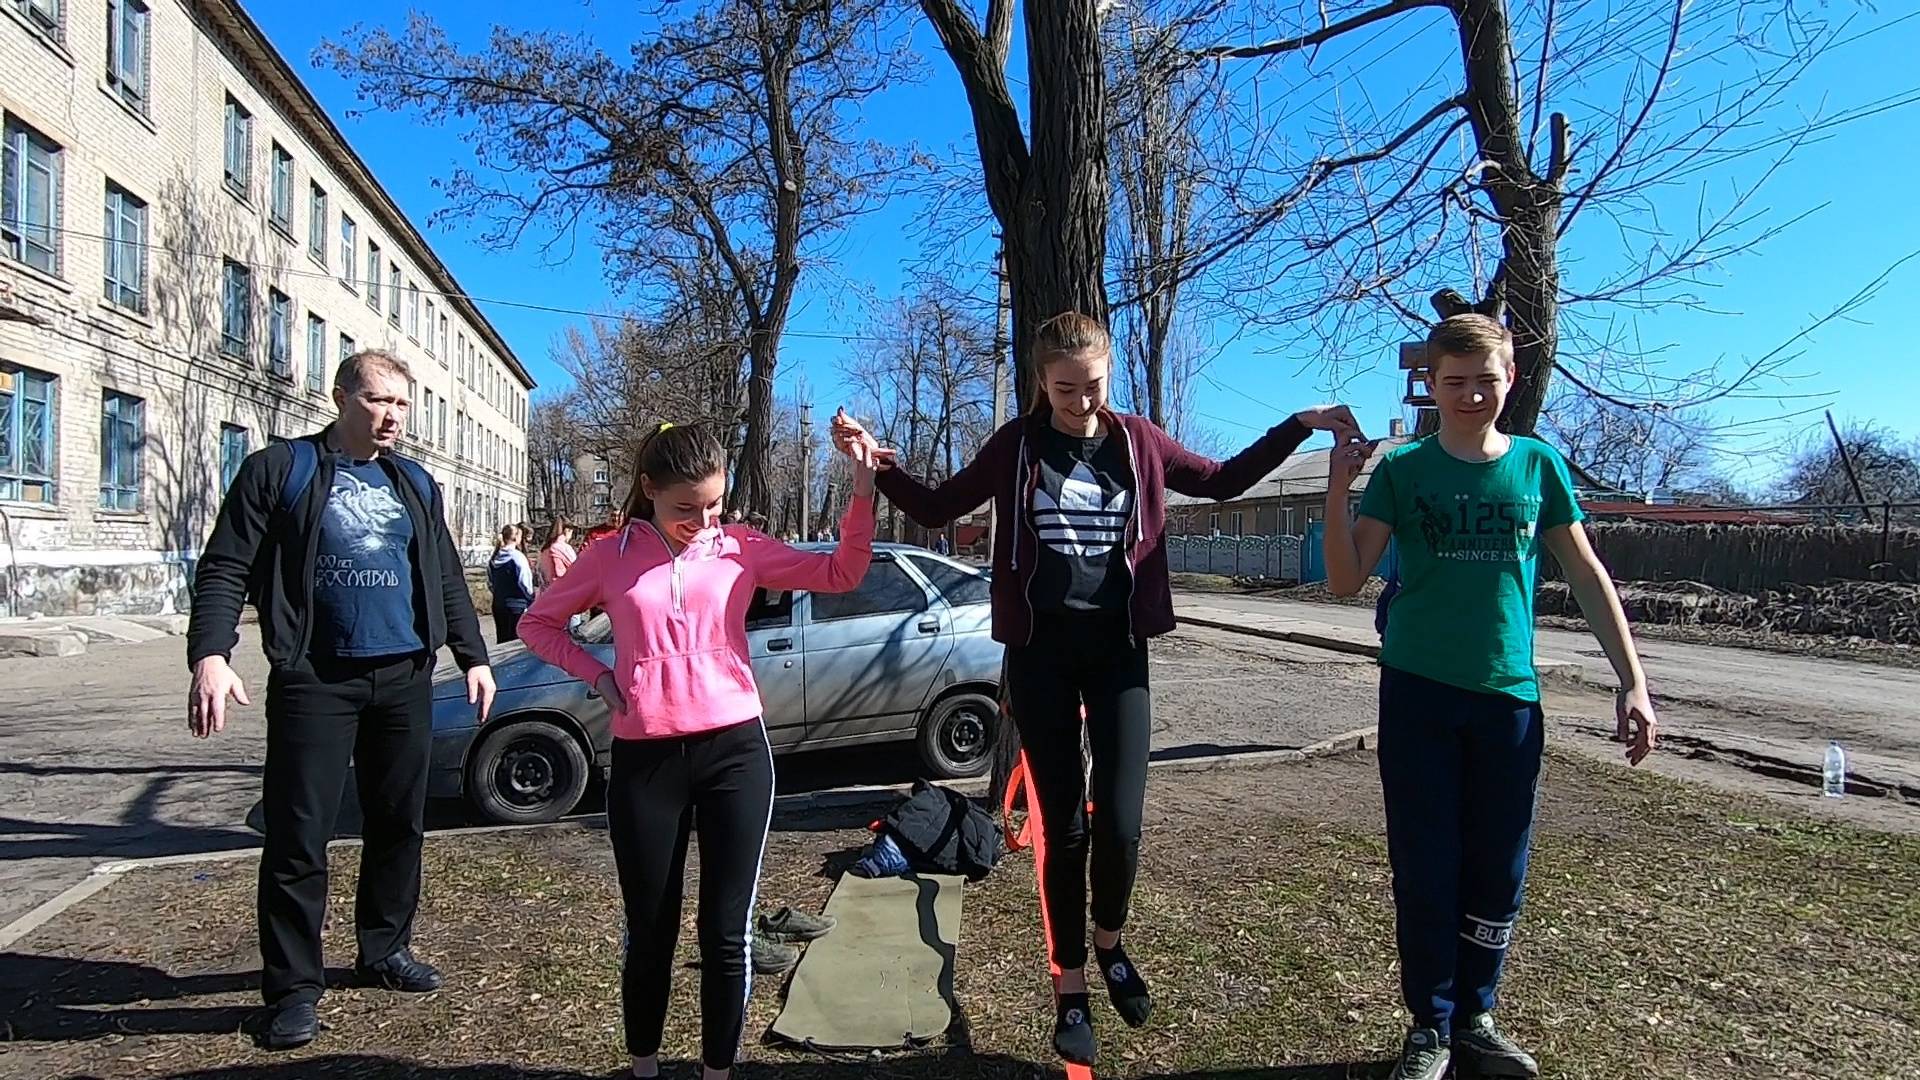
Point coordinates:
[[1004, 472]]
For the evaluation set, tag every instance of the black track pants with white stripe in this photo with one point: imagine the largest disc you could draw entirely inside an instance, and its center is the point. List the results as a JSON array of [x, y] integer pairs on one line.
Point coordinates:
[[717, 785]]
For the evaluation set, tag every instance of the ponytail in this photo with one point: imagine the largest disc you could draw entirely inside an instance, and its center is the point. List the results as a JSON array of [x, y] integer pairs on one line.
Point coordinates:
[[672, 454]]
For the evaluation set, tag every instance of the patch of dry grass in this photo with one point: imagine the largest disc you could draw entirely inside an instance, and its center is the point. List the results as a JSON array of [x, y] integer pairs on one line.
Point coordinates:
[[1671, 932]]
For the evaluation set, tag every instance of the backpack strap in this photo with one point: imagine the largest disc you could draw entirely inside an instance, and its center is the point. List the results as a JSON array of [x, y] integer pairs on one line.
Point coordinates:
[[306, 459]]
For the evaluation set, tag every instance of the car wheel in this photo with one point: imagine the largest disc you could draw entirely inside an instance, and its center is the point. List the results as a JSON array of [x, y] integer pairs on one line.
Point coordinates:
[[956, 736], [526, 772]]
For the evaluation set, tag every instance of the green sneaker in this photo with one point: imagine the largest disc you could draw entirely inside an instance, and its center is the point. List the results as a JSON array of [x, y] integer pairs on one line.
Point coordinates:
[[773, 958], [793, 926], [1488, 1051], [1422, 1057]]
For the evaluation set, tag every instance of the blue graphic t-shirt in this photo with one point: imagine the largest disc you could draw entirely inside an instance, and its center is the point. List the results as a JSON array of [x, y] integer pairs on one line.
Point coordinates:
[[363, 576]]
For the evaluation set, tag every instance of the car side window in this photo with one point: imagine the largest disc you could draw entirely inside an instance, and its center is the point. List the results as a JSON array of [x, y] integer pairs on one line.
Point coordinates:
[[959, 587], [770, 610], [886, 590]]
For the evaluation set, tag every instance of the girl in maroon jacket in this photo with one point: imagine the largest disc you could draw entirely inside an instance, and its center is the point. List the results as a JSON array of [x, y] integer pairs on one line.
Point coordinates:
[[1079, 585]]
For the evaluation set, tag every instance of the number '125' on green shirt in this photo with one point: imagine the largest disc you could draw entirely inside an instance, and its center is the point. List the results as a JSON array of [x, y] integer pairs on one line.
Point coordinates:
[[1468, 537]]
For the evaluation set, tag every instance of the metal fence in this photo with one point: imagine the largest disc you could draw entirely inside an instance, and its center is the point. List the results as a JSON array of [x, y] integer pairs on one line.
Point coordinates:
[[1276, 557]]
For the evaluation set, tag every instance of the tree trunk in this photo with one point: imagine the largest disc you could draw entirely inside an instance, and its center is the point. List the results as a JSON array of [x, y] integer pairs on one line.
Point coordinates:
[[751, 481]]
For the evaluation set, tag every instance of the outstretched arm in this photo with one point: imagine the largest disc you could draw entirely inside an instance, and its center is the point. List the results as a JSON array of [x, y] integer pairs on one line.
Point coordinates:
[[1353, 548], [779, 566], [933, 507], [1204, 478]]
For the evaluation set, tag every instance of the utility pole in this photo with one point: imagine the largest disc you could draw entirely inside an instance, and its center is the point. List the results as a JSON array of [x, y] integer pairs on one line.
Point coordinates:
[[1002, 306], [806, 468]]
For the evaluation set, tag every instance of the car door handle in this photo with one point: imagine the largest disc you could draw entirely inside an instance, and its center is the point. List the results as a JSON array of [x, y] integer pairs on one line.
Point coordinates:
[[780, 644], [930, 626]]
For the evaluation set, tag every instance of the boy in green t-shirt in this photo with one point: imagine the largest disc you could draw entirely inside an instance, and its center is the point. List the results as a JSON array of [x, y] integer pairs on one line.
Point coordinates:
[[1460, 723]]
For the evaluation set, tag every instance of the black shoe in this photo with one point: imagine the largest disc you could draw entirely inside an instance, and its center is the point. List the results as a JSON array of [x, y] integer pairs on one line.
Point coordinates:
[[1125, 987], [793, 926], [1073, 1030], [290, 1025], [399, 972]]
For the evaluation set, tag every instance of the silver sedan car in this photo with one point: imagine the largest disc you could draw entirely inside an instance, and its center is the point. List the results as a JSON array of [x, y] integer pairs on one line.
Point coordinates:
[[906, 656]]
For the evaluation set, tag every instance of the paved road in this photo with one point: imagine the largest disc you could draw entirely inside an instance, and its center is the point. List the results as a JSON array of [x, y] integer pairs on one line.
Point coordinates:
[[1773, 703], [96, 764]]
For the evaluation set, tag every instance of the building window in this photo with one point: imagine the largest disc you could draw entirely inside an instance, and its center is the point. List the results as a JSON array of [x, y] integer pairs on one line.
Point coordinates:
[[426, 417], [44, 15], [30, 203], [127, 51], [1239, 522], [347, 347], [279, 334], [441, 423], [413, 390], [429, 326], [27, 418], [316, 353], [373, 275], [239, 149], [444, 355], [233, 451], [349, 245], [236, 305], [1286, 522], [413, 310], [317, 223], [460, 435], [126, 250], [600, 474], [393, 293], [123, 436], [280, 208], [460, 358]]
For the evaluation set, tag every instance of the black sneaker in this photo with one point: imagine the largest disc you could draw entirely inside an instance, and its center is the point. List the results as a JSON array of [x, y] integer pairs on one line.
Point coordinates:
[[293, 1024], [1485, 1049], [1125, 986], [773, 958], [793, 926], [1073, 1030], [1423, 1056], [399, 972]]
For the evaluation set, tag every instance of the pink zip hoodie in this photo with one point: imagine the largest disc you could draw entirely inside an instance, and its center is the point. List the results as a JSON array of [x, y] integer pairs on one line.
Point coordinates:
[[680, 623]]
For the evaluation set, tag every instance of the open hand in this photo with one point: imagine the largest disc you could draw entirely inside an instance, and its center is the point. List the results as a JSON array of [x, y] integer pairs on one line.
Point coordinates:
[[1635, 723], [214, 681]]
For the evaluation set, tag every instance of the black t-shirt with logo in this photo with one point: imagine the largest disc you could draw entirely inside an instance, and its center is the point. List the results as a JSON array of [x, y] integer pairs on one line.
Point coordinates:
[[1080, 510]]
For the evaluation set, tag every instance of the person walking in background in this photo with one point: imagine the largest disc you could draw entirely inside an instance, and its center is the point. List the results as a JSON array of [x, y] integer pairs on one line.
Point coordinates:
[[690, 750], [1079, 586], [510, 577], [342, 546], [556, 554], [1461, 733]]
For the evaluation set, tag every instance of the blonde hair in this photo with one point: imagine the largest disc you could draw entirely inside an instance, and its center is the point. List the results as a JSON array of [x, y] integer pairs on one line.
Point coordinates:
[[1468, 334], [1067, 334]]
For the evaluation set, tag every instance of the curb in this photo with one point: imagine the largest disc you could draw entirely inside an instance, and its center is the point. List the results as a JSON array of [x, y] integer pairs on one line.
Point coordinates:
[[106, 873], [1296, 637]]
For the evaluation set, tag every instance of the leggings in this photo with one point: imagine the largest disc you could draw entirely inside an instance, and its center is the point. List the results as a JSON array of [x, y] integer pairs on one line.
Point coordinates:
[[718, 784], [1459, 771], [1074, 660]]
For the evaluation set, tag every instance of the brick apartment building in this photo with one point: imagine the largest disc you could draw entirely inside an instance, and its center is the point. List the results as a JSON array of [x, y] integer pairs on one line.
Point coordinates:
[[188, 246]]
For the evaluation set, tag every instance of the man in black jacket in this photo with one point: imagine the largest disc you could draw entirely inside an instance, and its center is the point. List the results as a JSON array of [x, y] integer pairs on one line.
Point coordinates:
[[343, 549]]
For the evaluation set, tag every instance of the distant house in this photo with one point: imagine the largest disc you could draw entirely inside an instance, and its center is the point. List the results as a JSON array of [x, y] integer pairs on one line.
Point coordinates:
[[1281, 504]]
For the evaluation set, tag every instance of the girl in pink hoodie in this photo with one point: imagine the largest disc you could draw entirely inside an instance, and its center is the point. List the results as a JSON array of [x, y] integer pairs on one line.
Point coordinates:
[[690, 751]]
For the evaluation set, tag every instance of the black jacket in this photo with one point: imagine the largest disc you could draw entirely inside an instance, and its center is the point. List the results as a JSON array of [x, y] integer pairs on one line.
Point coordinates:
[[260, 556], [941, 831]]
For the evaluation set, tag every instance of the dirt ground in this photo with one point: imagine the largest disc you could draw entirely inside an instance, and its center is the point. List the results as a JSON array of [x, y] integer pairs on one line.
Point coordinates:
[[1672, 931]]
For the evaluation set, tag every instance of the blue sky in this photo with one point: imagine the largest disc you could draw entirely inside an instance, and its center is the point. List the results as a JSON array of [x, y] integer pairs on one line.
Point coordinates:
[[1864, 366]]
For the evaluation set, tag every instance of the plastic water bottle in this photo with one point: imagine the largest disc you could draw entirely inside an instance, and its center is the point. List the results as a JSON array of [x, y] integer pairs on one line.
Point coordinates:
[[1834, 774]]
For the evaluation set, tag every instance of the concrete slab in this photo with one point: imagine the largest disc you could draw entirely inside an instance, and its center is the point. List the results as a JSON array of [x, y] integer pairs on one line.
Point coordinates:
[[48, 641]]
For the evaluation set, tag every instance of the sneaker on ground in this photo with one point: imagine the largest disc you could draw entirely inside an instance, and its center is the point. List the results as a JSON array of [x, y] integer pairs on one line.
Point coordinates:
[[773, 958], [791, 926], [1478, 1043], [1422, 1057]]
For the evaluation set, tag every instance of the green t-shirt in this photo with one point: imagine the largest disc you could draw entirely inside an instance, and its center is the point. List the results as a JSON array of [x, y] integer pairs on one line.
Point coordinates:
[[1468, 537]]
